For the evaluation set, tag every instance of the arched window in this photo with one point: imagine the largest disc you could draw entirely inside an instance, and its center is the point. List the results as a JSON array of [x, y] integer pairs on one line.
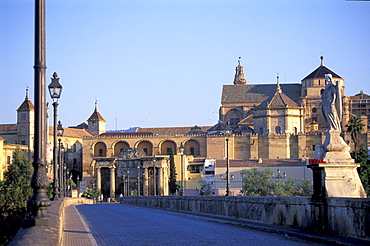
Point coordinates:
[[147, 147], [234, 119], [100, 150], [278, 130], [321, 91], [118, 147]]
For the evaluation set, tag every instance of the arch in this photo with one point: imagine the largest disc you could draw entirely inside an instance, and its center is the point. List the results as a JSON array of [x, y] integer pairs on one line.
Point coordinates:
[[278, 129], [192, 147], [119, 146], [100, 149], [146, 146], [233, 117], [167, 146]]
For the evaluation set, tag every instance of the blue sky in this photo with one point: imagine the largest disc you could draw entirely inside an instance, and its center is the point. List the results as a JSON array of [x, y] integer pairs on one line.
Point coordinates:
[[159, 63]]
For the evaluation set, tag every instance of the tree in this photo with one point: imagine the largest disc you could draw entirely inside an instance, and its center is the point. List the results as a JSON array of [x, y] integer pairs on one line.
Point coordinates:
[[364, 169], [172, 185], [282, 187], [259, 183], [14, 193], [205, 188], [255, 182], [355, 127]]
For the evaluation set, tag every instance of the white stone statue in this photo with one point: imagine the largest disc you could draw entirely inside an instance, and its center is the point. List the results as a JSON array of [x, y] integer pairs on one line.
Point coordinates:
[[332, 104]]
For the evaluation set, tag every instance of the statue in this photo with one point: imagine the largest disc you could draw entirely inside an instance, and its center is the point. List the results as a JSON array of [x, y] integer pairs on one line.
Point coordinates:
[[334, 170], [332, 110], [332, 104]]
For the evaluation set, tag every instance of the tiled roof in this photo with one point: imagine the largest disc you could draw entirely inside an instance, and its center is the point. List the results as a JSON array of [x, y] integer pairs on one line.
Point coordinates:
[[71, 132], [96, 116], [170, 130], [264, 163], [196, 130], [8, 127], [243, 129], [279, 100], [320, 73], [255, 94], [125, 134], [220, 126], [26, 105]]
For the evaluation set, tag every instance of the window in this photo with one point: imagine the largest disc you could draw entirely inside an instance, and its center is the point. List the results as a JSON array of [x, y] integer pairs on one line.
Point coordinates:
[[295, 130], [74, 148], [169, 151], [321, 91], [194, 169], [8, 160], [192, 151], [101, 151], [278, 130], [145, 151], [313, 147], [234, 121], [314, 110]]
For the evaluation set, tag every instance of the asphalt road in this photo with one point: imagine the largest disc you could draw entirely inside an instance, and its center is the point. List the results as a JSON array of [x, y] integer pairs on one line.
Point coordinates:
[[115, 224]]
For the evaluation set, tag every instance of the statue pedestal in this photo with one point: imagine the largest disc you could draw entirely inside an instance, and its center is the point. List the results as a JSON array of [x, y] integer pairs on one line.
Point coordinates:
[[337, 180]]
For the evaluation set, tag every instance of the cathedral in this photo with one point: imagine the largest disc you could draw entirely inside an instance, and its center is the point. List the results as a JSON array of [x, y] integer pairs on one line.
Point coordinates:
[[273, 125]]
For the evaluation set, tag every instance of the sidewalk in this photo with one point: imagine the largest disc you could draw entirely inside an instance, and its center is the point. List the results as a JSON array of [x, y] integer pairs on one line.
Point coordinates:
[[75, 230]]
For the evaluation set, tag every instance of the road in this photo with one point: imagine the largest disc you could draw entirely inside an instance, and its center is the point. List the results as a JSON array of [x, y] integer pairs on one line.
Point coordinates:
[[116, 224]]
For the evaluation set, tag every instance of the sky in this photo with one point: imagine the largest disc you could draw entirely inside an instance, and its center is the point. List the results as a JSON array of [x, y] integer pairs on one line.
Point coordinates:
[[162, 63]]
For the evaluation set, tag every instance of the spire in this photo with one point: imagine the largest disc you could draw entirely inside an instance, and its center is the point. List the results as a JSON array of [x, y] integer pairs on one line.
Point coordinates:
[[96, 105], [322, 60], [27, 93], [239, 78], [278, 88]]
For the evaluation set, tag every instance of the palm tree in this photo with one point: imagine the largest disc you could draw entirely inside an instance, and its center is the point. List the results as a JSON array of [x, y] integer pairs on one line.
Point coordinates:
[[355, 127]]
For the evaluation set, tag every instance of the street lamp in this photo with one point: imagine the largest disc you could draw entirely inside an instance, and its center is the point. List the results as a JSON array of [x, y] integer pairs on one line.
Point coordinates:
[[55, 89], [279, 176], [181, 149], [138, 180], [227, 132], [60, 131], [39, 201], [154, 178]]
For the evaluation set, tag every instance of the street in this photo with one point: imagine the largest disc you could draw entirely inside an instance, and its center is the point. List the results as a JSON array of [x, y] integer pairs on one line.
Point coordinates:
[[115, 224]]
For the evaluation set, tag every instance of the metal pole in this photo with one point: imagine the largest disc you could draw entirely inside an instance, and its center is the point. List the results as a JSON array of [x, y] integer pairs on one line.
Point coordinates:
[[227, 168], [55, 154], [182, 175], [39, 201], [60, 167]]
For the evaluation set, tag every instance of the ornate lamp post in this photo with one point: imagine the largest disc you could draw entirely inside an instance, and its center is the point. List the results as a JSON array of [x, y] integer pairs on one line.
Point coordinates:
[[182, 149], [138, 180], [154, 178], [55, 89], [228, 132], [60, 131], [39, 181]]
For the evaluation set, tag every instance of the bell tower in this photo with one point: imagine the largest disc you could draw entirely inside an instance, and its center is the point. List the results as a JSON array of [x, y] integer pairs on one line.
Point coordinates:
[[96, 122], [25, 122], [239, 78]]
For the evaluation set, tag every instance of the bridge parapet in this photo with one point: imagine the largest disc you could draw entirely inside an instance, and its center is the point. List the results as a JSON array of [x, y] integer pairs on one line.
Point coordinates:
[[341, 216]]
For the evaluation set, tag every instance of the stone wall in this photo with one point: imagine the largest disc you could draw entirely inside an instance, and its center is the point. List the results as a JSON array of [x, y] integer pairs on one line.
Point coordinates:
[[342, 216]]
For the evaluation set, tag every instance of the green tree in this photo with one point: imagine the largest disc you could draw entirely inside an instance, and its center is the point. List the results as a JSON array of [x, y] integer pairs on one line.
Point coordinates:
[[355, 127], [304, 187], [14, 193], [205, 188], [256, 182], [364, 169], [283, 187], [172, 185]]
